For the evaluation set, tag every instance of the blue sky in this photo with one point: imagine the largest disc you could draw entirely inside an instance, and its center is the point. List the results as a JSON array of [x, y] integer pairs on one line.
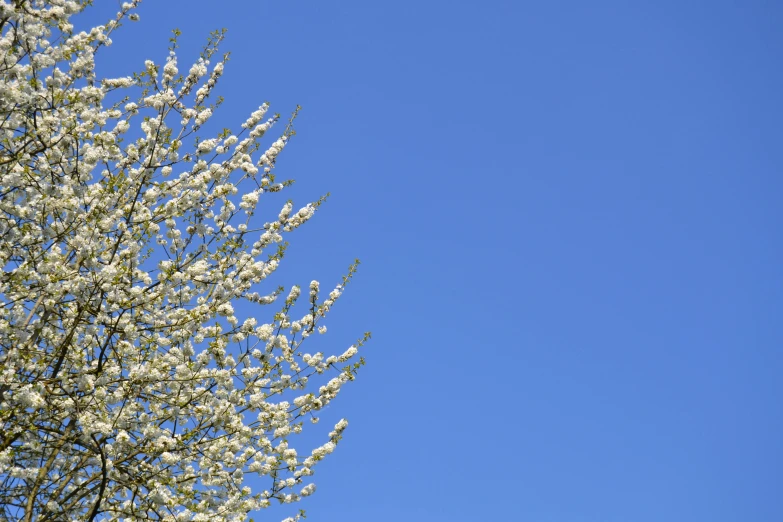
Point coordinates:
[[566, 214]]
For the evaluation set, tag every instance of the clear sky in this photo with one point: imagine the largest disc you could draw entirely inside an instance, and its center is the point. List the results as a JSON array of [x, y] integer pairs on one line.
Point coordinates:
[[568, 215]]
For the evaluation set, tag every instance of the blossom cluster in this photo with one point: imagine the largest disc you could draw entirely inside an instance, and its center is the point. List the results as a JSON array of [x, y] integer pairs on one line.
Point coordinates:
[[130, 388]]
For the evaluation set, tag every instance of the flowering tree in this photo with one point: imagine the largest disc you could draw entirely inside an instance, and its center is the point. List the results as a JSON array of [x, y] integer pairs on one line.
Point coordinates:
[[129, 389]]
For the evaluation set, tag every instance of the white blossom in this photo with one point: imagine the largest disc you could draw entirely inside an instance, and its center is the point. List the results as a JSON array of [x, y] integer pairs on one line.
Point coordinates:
[[132, 381]]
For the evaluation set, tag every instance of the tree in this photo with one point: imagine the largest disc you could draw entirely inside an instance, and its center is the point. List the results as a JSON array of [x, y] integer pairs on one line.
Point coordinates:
[[129, 388]]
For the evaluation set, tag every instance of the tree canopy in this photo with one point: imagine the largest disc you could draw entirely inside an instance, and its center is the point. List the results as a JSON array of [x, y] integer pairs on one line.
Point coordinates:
[[129, 236]]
